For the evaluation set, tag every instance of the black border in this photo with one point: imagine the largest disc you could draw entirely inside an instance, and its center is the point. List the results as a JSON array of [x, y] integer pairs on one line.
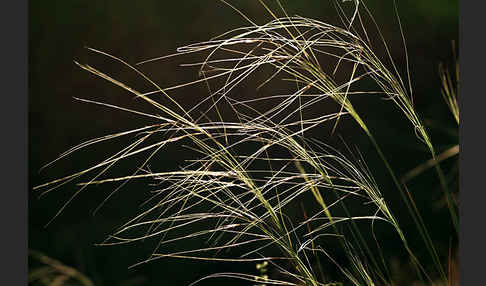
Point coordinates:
[[14, 23], [472, 238], [472, 144]]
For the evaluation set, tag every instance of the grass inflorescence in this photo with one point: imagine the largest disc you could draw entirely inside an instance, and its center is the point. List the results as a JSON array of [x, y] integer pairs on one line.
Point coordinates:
[[254, 163]]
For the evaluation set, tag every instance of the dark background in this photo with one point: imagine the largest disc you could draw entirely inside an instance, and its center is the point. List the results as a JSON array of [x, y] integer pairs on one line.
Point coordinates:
[[138, 30]]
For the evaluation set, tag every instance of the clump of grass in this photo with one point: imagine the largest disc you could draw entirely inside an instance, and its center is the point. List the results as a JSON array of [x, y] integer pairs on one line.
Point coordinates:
[[253, 167], [52, 272], [450, 86]]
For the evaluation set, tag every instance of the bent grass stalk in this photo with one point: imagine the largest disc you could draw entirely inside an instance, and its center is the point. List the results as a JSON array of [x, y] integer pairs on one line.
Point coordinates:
[[54, 272], [244, 203]]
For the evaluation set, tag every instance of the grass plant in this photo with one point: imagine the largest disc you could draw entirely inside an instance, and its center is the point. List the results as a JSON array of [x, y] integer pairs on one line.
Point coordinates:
[[52, 272], [254, 162]]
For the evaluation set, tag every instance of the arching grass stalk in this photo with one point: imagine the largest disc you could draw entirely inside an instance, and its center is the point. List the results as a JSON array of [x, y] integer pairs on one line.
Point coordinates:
[[54, 272], [238, 200], [296, 55]]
